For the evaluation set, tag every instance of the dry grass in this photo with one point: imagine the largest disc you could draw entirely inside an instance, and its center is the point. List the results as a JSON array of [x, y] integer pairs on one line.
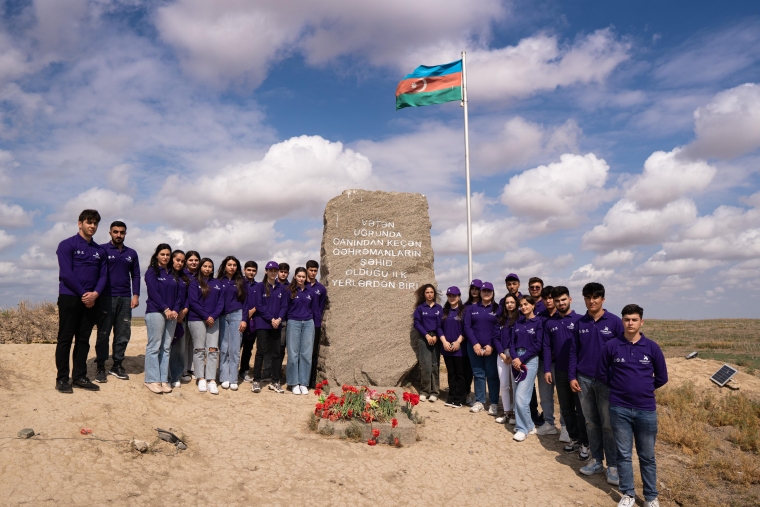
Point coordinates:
[[29, 323]]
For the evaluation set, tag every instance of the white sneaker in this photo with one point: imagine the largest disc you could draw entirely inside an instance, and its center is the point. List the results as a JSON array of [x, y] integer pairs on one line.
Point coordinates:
[[225, 385], [423, 397], [433, 398], [627, 501], [493, 409], [547, 429], [477, 407], [304, 390], [296, 389], [519, 436], [202, 385], [234, 387], [533, 431], [212, 388], [652, 503], [501, 419], [176, 385], [564, 436]]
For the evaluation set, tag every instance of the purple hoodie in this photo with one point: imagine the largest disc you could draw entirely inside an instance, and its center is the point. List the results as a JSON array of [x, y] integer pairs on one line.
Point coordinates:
[[479, 323], [81, 267], [453, 328], [303, 306], [633, 371], [273, 306], [588, 342], [428, 318], [558, 334], [229, 294], [202, 308], [527, 334], [502, 338], [320, 292], [163, 292], [123, 267]]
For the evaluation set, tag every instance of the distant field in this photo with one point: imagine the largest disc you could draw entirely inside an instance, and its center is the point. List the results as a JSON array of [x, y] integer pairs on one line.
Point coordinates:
[[138, 321], [734, 341]]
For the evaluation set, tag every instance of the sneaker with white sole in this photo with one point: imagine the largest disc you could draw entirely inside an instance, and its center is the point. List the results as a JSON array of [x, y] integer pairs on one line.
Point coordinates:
[[533, 431], [423, 397], [247, 378], [296, 390], [612, 476], [592, 467], [573, 446], [225, 385], [276, 387], [627, 501], [202, 387], [519, 436], [433, 398], [304, 390], [186, 377], [501, 419], [255, 387], [493, 409], [177, 384], [212, 388], [233, 387], [547, 429], [477, 407], [652, 503], [583, 453], [564, 436]]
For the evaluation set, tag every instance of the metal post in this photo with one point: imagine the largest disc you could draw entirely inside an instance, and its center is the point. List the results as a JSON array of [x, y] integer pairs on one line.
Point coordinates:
[[467, 167]]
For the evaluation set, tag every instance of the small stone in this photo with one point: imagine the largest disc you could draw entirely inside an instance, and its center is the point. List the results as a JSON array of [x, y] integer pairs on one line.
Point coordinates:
[[140, 445], [181, 446], [26, 433]]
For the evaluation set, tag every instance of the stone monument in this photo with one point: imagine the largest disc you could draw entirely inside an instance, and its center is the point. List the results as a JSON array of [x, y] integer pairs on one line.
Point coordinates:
[[376, 253]]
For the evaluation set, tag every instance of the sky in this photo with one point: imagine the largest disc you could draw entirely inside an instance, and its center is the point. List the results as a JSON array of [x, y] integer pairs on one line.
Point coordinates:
[[616, 142]]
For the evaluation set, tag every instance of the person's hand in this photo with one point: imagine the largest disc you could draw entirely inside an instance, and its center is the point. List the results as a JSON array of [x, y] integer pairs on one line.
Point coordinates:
[[173, 315], [488, 350], [168, 314], [276, 323], [89, 298], [476, 348], [516, 362], [180, 317], [430, 339], [242, 327], [135, 302], [456, 346], [575, 386], [548, 377], [251, 312], [210, 321], [504, 358], [446, 345]]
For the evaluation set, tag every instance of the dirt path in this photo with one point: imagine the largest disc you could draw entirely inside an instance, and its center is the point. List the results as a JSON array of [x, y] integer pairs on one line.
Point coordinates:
[[248, 449]]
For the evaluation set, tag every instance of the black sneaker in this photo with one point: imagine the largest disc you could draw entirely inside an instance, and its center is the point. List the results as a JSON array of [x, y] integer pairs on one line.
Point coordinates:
[[276, 387], [583, 454], [100, 376], [63, 386], [255, 387], [84, 383], [118, 372]]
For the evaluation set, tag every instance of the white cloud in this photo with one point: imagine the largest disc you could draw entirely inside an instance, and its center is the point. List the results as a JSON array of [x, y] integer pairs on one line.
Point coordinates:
[[614, 258], [6, 239], [561, 191], [661, 264], [729, 126], [487, 236], [675, 283], [13, 215], [668, 176], [110, 205], [626, 225]]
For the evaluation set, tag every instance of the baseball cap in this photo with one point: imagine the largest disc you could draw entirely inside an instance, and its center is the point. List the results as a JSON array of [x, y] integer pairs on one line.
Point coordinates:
[[454, 291], [272, 265], [512, 276], [476, 283], [487, 286], [521, 373]]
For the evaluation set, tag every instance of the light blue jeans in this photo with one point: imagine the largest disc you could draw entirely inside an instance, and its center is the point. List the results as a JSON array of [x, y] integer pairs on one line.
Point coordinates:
[[484, 372], [595, 401], [230, 339], [629, 424], [300, 341], [160, 334], [523, 393]]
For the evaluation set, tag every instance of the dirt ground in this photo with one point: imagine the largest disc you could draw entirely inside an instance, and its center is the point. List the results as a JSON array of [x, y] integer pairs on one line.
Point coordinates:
[[253, 449]]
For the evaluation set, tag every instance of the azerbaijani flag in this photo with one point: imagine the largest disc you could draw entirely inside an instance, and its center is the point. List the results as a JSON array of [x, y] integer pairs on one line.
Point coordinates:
[[430, 85]]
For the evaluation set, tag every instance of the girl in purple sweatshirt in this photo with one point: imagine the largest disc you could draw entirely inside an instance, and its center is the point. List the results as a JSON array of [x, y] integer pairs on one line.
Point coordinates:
[[526, 344], [177, 356], [192, 265], [206, 305], [502, 340], [231, 323], [302, 306], [427, 322]]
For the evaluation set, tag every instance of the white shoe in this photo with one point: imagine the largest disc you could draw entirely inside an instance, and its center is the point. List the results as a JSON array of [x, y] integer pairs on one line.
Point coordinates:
[[547, 429], [212, 388], [296, 389], [202, 388], [234, 387], [501, 419], [423, 397], [533, 431], [225, 385], [176, 385], [519, 436], [564, 436], [652, 503], [248, 378], [304, 390], [477, 407], [433, 398], [493, 409], [627, 501]]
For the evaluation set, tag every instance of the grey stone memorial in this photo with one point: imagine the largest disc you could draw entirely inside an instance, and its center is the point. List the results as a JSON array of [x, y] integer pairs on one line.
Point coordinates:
[[376, 253]]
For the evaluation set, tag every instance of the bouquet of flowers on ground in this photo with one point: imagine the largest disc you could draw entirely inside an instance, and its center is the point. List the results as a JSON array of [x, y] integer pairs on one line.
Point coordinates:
[[411, 400], [356, 403]]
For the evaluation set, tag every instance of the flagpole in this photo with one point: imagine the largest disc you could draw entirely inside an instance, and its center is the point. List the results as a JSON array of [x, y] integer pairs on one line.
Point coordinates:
[[467, 166]]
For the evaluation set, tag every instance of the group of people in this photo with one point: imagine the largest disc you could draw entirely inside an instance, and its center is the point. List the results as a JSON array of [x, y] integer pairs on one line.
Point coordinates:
[[202, 323], [604, 369]]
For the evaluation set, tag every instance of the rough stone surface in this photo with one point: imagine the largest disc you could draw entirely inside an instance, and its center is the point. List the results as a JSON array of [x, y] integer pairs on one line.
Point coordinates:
[[26, 433], [140, 445], [406, 431], [376, 253]]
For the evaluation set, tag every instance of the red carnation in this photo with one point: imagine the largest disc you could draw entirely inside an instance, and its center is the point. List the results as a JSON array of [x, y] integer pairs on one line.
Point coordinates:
[[394, 422], [396, 442], [376, 433], [317, 391], [371, 442]]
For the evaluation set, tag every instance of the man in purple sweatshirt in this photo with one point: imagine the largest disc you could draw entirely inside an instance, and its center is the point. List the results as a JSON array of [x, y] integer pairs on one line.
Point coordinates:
[[593, 330], [121, 295], [82, 276], [633, 366]]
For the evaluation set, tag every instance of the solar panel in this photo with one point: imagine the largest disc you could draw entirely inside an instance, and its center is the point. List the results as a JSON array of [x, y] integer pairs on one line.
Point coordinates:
[[723, 375]]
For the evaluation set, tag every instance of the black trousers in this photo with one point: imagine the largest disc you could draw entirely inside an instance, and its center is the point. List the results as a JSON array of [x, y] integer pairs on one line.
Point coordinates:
[[75, 323], [538, 419], [267, 353], [114, 313], [457, 374], [570, 408], [315, 357], [249, 338], [467, 373]]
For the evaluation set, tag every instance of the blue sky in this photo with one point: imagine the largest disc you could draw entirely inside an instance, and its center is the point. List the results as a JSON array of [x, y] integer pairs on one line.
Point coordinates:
[[611, 141]]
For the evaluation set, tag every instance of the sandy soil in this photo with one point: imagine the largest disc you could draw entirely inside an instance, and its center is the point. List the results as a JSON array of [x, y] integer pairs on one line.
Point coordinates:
[[253, 449]]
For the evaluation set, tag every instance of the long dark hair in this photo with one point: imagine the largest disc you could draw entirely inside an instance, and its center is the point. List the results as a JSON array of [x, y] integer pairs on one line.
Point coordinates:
[[421, 294], [201, 280], [238, 277], [179, 275], [154, 259], [470, 300], [508, 318], [192, 253], [293, 287], [447, 309]]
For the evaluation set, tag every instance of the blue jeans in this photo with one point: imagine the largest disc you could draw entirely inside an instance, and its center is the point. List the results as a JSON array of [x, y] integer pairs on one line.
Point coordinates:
[[523, 393], [484, 370], [177, 355], [300, 341], [160, 334], [595, 400], [230, 339], [629, 424]]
